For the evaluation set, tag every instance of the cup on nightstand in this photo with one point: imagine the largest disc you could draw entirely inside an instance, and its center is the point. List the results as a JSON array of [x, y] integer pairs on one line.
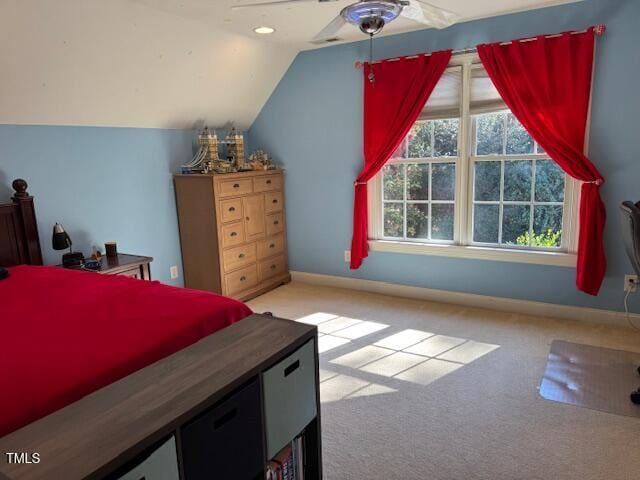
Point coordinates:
[[111, 249]]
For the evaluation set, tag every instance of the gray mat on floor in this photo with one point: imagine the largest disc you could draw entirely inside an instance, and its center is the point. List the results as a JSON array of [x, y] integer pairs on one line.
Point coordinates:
[[592, 377]]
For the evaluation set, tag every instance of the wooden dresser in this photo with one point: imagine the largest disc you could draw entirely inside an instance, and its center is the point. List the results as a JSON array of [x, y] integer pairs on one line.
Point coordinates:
[[233, 232]]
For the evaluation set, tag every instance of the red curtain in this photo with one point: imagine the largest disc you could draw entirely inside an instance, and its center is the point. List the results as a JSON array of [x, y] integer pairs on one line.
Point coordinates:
[[546, 83], [392, 103]]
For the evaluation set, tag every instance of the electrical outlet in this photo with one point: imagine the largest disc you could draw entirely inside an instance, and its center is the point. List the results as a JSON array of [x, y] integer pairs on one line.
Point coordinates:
[[174, 272], [347, 256], [631, 283]]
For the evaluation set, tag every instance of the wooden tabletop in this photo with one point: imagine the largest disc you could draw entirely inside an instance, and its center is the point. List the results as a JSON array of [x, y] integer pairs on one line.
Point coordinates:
[[122, 261], [107, 428]]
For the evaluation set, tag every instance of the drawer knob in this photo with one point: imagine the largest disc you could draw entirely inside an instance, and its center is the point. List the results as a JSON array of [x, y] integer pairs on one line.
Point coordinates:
[[236, 185], [275, 200], [268, 182], [241, 255], [276, 222], [273, 245], [232, 209], [233, 234], [247, 219], [243, 278], [273, 267]]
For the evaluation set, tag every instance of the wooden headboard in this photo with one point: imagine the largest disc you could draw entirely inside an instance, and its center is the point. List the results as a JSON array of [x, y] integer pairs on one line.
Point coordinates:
[[19, 241]]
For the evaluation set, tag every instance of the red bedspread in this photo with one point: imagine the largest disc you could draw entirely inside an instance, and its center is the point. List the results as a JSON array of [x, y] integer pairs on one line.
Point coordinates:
[[65, 334]]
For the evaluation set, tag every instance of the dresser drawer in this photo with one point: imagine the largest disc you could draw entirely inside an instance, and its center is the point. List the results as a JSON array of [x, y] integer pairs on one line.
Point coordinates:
[[231, 210], [270, 246], [267, 183], [239, 186], [289, 392], [239, 257], [226, 442], [241, 280], [271, 268], [273, 202], [161, 464], [275, 223], [232, 234]]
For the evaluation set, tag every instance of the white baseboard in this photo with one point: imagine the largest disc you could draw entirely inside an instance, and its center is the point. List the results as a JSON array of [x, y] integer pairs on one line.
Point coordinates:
[[527, 307]]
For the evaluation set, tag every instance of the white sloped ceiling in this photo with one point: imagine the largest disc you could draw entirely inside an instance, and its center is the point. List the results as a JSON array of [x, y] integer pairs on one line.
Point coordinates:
[[121, 63], [164, 63]]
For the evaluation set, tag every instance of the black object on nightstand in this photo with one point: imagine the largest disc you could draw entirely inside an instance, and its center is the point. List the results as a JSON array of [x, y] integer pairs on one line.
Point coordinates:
[[60, 240]]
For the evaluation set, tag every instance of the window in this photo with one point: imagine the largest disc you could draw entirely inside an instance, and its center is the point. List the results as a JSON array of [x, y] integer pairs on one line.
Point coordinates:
[[419, 184], [469, 175], [518, 192]]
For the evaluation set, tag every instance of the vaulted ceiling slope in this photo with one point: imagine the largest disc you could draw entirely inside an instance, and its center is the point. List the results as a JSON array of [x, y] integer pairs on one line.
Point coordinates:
[[164, 63], [122, 63]]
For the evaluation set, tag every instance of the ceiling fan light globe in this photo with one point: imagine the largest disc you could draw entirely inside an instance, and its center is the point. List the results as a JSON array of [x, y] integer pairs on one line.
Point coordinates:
[[387, 10], [371, 25]]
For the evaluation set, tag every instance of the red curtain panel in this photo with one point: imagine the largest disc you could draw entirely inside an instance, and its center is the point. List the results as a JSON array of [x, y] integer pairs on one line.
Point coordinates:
[[546, 82], [392, 103]]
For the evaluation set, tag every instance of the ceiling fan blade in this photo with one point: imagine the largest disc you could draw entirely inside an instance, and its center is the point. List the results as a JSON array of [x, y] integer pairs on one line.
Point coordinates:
[[428, 14], [268, 4], [330, 31]]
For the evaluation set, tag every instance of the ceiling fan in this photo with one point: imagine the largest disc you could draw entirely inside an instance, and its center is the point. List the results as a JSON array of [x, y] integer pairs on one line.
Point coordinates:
[[372, 15]]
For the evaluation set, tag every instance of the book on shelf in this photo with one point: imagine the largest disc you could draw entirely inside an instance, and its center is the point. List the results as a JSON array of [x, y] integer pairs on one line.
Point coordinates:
[[288, 464]]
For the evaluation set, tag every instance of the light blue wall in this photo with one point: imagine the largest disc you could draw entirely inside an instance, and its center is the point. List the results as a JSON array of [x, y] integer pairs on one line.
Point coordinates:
[[102, 184], [313, 125]]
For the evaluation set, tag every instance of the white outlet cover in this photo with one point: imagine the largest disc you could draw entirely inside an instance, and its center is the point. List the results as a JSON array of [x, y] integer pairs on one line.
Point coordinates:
[[347, 256], [631, 283], [174, 272]]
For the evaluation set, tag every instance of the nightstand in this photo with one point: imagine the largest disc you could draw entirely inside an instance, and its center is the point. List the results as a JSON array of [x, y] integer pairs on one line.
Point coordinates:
[[134, 266]]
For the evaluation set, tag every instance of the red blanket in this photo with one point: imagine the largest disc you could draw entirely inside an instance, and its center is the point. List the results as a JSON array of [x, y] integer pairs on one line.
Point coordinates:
[[65, 334]]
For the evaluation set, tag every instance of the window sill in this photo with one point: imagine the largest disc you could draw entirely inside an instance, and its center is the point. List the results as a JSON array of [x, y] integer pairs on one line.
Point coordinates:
[[559, 259]]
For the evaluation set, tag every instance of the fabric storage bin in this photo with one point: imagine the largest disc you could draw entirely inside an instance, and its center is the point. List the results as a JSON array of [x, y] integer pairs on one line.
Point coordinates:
[[161, 464], [289, 390], [226, 441]]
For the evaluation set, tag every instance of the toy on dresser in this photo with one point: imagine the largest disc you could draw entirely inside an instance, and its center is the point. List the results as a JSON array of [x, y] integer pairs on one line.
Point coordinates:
[[207, 159]]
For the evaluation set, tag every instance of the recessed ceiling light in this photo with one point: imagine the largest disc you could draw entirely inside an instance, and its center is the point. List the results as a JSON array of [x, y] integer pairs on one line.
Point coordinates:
[[264, 30]]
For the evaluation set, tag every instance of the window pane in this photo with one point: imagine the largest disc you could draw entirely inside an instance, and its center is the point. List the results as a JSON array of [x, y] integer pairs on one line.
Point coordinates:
[[442, 221], [517, 181], [547, 226], [420, 140], [393, 219], [485, 223], [393, 178], [487, 181], [417, 220], [445, 138], [443, 181], [489, 132], [418, 181], [549, 182], [515, 224], [519, 142], [401, 152]]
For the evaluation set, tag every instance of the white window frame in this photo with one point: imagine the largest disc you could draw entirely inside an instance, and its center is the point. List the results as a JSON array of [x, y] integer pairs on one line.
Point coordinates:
[[462, 245]]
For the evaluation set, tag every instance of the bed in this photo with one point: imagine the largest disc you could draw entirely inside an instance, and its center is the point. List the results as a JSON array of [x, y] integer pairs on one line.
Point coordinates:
[[68, 333], [107, 377]]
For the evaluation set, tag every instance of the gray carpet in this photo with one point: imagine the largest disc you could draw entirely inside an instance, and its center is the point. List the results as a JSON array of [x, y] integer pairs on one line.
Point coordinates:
[[420, 390]]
